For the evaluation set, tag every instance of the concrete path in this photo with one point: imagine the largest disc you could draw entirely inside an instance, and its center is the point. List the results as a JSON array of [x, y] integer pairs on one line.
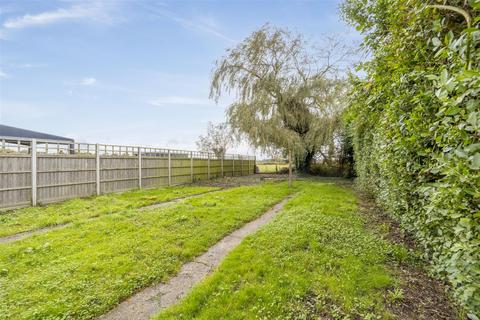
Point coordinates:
[[26, 234], [151, 300], [170, 202]]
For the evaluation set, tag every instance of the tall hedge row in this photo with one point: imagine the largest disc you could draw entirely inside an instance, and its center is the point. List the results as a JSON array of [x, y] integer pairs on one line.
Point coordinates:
[[414, 119]]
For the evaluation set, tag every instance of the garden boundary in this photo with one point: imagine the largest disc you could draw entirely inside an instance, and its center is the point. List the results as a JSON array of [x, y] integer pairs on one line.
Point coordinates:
[[39, 172]]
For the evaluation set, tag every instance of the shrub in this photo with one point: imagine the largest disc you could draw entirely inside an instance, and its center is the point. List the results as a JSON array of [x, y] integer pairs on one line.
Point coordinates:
[[325, 170], [414, 121], [283, 170]]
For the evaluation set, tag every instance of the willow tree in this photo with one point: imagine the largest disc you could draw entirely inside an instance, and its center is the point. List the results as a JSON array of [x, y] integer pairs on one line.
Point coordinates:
[[287, 94]]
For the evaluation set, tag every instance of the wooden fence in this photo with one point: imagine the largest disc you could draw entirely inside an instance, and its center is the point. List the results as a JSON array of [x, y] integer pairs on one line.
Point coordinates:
[[36, 172]]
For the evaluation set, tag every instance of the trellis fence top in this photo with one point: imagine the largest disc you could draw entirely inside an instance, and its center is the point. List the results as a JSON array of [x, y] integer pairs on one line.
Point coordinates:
[[13, 145]]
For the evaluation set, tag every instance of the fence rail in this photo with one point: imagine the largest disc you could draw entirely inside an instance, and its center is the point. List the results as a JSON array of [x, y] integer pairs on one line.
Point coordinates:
[[39, 172]]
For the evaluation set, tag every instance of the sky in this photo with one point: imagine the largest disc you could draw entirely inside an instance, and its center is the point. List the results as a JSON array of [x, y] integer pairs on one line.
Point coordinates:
[[133, 72]]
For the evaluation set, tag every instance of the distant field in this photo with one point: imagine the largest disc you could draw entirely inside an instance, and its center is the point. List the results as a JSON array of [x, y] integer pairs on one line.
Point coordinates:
[[271, 168]]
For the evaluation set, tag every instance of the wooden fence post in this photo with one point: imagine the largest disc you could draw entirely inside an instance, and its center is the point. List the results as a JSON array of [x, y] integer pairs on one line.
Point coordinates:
[[97, 168], [191, 166], [208, 166], [33, 152], [139, 168], [233, 165], [169, 168]]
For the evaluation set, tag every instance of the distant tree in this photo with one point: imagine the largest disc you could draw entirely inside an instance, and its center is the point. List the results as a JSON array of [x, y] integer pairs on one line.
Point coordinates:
[[217, 140], [288, 94]]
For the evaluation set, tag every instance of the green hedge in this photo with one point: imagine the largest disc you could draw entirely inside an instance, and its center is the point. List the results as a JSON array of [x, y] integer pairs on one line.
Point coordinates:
[[414, 119]]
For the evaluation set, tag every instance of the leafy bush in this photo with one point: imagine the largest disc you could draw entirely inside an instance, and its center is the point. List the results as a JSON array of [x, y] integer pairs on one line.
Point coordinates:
[[414, 120], [283, 170], [325, 170]]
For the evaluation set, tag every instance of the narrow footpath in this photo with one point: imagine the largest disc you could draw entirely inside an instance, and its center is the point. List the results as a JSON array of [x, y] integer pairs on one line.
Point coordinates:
[[151, 300], [27, 234]]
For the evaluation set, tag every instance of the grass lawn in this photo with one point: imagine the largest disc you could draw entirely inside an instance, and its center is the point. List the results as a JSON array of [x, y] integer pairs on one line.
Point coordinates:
[[271, 168], [85, 269], [316, 259], [32, 218]]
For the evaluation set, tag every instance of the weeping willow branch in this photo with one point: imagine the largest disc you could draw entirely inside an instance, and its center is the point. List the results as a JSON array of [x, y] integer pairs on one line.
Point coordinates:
[[468, 19], [464, 13], [288, 93]]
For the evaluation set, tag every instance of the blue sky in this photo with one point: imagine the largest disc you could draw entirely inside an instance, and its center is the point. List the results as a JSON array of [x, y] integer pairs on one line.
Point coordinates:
[[132, 72]]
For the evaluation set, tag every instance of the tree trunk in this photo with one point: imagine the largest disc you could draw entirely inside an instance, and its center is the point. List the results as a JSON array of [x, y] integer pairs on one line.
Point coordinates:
[[303, 164], [290, 169]]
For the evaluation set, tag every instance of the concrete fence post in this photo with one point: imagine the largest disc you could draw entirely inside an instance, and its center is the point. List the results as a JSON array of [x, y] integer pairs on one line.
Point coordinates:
[[139, 168], [169, 168], [97, 168], [33, 152], [208, 166], [241, 165], [223, 173], [191, 166]]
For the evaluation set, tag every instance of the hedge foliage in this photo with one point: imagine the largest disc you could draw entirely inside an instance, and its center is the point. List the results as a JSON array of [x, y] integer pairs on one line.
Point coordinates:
[[414, 119]]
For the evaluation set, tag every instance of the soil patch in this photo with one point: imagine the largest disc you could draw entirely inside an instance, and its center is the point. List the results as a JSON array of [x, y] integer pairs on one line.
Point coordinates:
[[424, 297]]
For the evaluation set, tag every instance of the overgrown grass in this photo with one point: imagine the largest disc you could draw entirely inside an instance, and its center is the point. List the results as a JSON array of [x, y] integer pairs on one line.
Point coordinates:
[[32, 218], [85, 269], [317, 259]]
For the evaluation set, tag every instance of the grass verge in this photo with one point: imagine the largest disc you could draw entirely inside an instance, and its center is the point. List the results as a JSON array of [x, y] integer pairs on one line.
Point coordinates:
[[27, 219], [317, 259], [85, 269], [271, 168]]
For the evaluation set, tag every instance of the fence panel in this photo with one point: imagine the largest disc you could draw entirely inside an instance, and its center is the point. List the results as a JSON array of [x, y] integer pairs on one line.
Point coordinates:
[[82, 169], [15, 180], [228, 167], [154, 172], [181, 170], [62, 177], [118, 173]]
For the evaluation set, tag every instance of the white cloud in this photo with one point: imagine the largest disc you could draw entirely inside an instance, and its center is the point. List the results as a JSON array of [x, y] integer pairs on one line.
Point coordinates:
[[26, 65], [45, 18], [200, 24], [88, 81], [17, 110], [3, 74], [94, 10], [177, 100], [202, 27]]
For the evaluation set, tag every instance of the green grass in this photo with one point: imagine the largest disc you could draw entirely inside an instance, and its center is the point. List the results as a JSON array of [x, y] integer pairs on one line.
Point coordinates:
[[32, 218], [85, 269], [317, 259], [271, 168]]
